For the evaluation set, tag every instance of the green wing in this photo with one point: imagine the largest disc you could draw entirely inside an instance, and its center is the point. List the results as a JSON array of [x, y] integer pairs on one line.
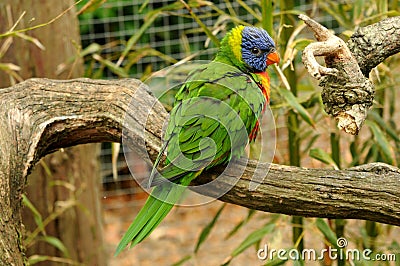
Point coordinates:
[[214, 112], [218, 102]]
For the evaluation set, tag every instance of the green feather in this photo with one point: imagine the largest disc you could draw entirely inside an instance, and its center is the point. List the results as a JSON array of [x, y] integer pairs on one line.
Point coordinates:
[[208, 127], [157, 206], [190, 147], [188, 133]]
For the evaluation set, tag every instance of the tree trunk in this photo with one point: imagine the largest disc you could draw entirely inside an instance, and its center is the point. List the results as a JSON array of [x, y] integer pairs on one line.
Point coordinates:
[[79, 229]]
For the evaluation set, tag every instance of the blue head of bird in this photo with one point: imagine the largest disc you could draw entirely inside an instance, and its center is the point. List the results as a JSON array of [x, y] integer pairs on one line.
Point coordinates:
[[249, 48]]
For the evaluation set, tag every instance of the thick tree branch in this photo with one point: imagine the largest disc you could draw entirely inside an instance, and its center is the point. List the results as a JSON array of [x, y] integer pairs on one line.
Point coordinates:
[[347, 92], [372, 44], [39, 116], [365, 192]]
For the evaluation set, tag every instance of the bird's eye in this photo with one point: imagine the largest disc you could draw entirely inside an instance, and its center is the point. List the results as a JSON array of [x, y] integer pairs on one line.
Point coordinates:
[[256, 51]]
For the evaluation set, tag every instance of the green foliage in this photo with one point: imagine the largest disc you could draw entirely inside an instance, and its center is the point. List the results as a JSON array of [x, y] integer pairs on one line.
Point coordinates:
[[323, 156], [381, 142], [241, 223], [36, 215], [182, 261], [253, 238], [39, 234], [294, 104], [325, 229], [207, 229]]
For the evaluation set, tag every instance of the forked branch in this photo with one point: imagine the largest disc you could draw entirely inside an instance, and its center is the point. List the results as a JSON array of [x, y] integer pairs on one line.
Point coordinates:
[[347, 92]]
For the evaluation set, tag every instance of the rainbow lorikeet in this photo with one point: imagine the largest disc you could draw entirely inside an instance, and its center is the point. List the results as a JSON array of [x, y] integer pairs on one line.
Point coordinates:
[[215, 115]]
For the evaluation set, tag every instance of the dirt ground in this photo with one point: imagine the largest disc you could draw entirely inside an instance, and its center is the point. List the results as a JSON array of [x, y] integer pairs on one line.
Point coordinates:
[[177, 235]]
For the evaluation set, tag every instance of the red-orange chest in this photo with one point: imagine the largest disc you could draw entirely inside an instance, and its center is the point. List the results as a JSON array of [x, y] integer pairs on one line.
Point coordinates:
[[263, 83]]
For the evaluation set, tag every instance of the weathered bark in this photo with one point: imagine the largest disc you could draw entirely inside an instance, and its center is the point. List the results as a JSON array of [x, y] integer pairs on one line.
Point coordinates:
[[372, 44], [347, 92], [78, 229]]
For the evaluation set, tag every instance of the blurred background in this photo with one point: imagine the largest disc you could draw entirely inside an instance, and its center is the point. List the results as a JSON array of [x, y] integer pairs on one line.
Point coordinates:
[[119, 39]]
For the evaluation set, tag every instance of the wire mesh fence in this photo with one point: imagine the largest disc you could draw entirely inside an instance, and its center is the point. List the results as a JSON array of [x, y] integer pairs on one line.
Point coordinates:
[[175, 35]]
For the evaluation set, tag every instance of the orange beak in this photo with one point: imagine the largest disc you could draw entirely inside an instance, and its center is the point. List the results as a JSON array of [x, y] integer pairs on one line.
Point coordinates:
[[272, 58]]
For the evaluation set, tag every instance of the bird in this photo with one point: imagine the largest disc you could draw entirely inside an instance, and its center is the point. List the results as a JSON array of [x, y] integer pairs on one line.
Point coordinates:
[[215, 115]]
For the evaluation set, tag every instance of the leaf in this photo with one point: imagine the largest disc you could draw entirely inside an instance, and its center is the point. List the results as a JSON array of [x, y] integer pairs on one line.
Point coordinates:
[[267, 21], [241, 223], [110, 65], [331, 8], [58, 260], [357, 9], [354, 153], [206, 230], [183, 260], [55, 242], [372, 155], [36, 214], [135, 38], [135, 56], [323, 156], [12, 32], [300, 44], [298, 263], [32, 40], [384, 125], [9, 66], [46, 168], [275, 262], [253, 238], [326, 231], [380, 16], [91, 6], [143, 6], [91, 49], [395, 249], [36, 259], [250, 10], [381, 141], [293, 102], [204, 27], [382, 6], [310, 142], [289, 12], [65, 184]]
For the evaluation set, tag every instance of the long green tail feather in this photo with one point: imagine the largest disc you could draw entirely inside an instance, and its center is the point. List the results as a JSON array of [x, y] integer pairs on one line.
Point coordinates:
[[156, 208]]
